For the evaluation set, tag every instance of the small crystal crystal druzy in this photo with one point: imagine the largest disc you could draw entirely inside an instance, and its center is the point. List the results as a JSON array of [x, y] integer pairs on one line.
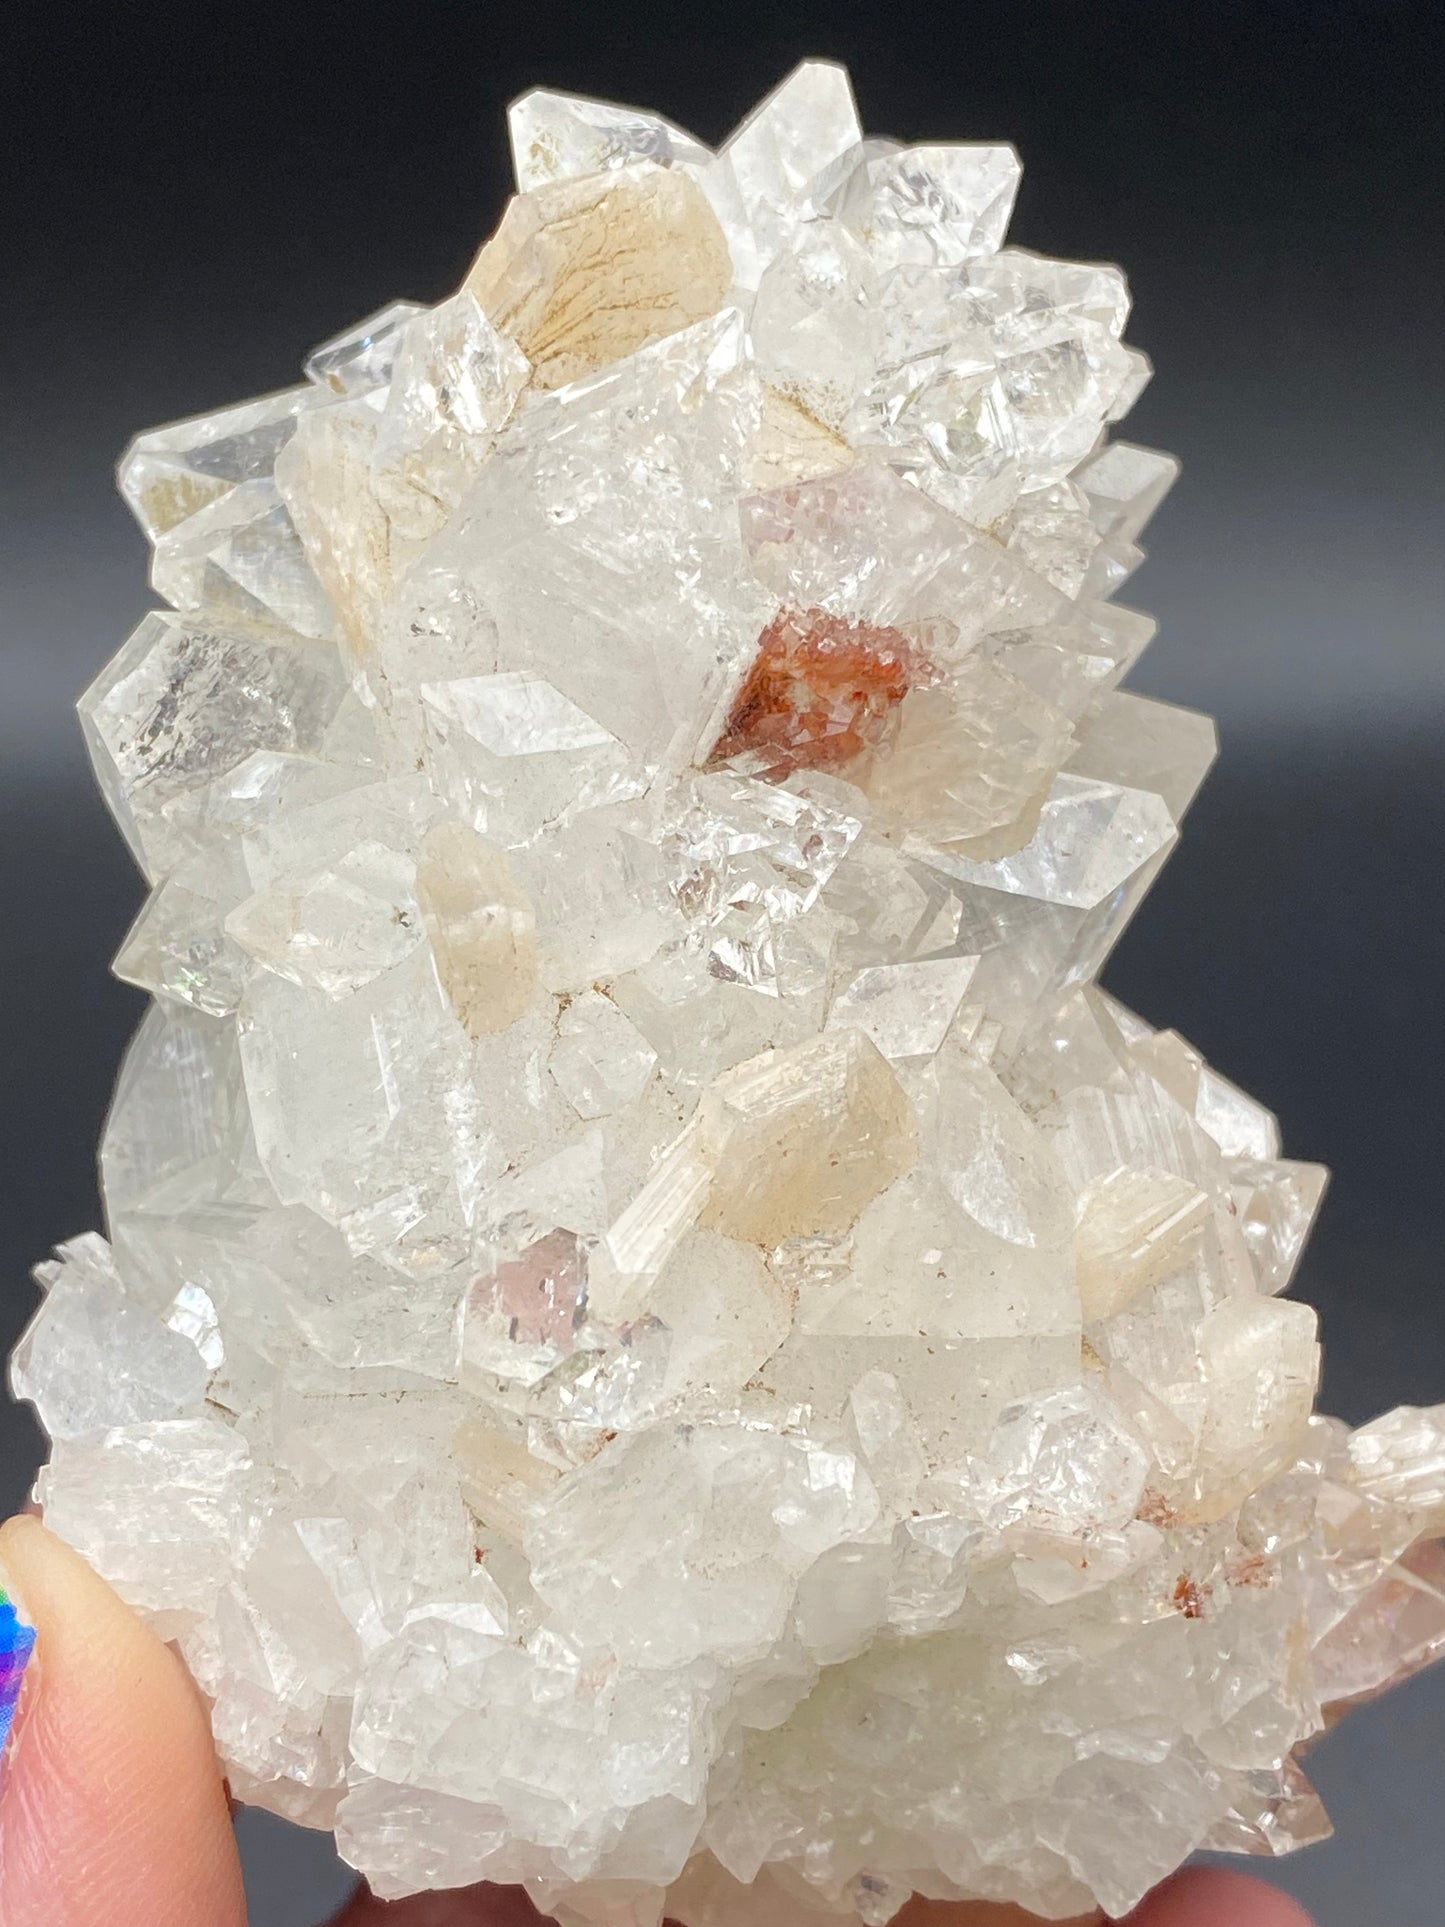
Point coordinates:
[[660, 1338]]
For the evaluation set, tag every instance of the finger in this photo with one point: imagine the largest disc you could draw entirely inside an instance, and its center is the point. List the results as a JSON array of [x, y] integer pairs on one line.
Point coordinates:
[[112, 1813], [1212, 1897]]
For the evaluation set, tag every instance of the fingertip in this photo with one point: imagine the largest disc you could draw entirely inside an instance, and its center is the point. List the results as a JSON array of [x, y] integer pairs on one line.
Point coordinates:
[[112, 1812], [1218, 1897]]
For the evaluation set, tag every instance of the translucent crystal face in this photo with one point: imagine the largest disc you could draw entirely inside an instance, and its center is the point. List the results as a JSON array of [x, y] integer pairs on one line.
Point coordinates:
[[660, 1337]]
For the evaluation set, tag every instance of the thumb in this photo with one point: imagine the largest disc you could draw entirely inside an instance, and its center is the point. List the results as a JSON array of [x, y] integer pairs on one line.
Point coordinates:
[[112, 1810]]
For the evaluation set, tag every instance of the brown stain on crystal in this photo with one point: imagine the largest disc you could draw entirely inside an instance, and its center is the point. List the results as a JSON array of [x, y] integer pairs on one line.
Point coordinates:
[[1155, 1510], [584, 272], [1250, 1569], [819, 693]]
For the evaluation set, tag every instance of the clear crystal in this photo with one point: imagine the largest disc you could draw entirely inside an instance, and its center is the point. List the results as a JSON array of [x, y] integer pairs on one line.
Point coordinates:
[[772, 172], [928, 206], [455, 381], [184, 703], [601, 544], [556, 137], [906, 1008], [178, 946], [241, 553], [361, 359], [170, 474], [601, 1061]]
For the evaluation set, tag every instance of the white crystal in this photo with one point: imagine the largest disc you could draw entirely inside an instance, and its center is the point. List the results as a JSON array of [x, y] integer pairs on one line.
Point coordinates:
[[325, 477], [696, 1572], [1260, 1364], [184, 703], [171, 474], [178, 946], [1092, 837], [601, 543], [1135, 1227], [803, 1139], [929, 205], [816, 325], [972, 765], [454, 383], [158, 1507], [661, 1340], [771, 171], [906, 1008], [64, 1364], [361, 358], [1062, 1466], [241, 553], [600, 1059], [557, 136]]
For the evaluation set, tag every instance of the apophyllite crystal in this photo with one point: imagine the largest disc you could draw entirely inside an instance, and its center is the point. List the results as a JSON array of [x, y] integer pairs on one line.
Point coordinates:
[[660, 1336]]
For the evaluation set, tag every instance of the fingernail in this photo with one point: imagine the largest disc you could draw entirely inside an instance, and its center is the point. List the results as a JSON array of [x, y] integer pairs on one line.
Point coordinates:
[[17, 1644]]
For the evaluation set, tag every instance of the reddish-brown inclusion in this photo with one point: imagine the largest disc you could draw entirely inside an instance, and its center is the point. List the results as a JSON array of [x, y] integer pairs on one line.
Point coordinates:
[[1189, 1597], [819, 692]]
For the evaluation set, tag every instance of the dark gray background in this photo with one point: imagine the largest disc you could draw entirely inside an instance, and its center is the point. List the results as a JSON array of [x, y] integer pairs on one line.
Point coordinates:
[[200, 194]]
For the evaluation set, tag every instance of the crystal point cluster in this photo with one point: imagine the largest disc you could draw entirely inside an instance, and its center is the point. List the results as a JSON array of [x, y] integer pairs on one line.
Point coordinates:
[[660, 1337]]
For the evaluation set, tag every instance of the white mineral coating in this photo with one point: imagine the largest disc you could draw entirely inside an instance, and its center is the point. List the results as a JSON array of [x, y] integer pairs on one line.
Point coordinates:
[[660, 1338]]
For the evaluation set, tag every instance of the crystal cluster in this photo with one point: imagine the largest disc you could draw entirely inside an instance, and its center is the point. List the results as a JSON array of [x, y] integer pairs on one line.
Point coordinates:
[[660, 1337]]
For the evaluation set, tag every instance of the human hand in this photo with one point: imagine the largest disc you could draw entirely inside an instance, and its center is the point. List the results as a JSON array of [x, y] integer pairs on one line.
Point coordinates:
[[114, 1814]]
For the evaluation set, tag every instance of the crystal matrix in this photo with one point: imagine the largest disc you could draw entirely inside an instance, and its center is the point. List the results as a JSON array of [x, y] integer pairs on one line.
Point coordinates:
[[660, 1338]]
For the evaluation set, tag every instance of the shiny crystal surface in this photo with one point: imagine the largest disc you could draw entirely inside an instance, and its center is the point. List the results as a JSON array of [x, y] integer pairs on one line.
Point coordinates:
[[659, 1336]]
